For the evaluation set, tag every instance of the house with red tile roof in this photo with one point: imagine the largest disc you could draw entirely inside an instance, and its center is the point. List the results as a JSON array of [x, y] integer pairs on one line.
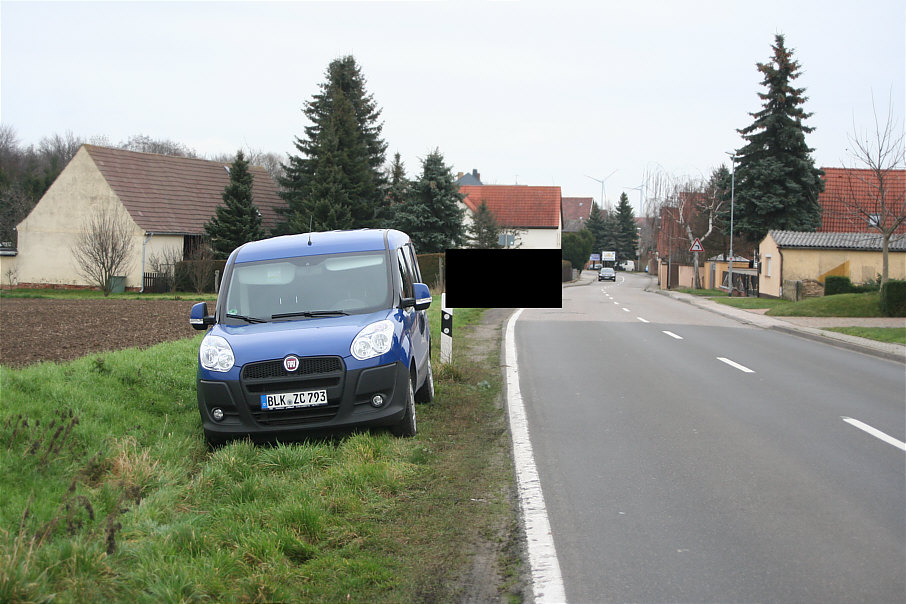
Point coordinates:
[[576, 211], [165, 200], [851, 200], [532, 214]]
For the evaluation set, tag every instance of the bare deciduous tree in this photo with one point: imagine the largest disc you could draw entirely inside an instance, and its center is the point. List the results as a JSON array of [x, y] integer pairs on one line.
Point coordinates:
[[271, 162], [103, 248], [200, 266], [874, 194], [691, 206], [164, 264]]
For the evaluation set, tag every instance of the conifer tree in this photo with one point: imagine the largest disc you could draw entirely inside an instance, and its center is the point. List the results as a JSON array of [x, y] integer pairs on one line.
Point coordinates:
[[433, 213], [484, 232], [399, 184], [777, 183], [336, 181], [597, 226], [238, 221], [627, 235]]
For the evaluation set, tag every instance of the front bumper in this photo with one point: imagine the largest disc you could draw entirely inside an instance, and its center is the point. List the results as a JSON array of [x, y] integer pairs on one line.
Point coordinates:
[[349, 399]]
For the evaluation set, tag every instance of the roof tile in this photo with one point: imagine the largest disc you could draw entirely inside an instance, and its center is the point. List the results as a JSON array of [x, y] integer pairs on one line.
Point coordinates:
[[166, 194], [844, 184], [517, 206], [845, 241]]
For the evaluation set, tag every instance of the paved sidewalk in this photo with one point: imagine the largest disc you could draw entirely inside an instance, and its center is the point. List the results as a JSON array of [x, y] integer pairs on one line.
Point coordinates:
[[808, 327]]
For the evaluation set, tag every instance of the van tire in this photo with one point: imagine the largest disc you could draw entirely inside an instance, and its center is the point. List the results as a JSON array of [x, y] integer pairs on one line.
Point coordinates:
[[425, 394], [407, 427]]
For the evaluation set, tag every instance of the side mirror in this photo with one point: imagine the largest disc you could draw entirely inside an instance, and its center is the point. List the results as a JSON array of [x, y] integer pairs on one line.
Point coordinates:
[[199, 317], [422, 296]]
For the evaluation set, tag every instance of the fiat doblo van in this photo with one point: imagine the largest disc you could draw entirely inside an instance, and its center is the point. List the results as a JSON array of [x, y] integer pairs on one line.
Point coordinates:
[[313, 332]]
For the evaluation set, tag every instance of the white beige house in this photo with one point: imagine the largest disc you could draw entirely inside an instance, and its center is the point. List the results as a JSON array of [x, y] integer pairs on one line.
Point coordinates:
[[790, 256], [530, 215], [166, 200]]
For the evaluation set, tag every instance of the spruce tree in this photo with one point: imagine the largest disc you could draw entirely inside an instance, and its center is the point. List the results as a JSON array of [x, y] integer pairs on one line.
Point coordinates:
[[627, 234], [484, 233], [777, 183], [336, 181], [597, 226], [399, 184], [433, 213], [238, 221]]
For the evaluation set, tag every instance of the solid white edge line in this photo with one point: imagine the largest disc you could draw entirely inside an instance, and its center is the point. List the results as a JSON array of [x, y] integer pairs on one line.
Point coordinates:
[[874, 432], [735, 364], [547, 582], [673, 335]]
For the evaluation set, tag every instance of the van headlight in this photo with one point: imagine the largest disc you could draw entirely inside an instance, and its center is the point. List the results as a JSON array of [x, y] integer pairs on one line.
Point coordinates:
[[215, 354], [373, 341]]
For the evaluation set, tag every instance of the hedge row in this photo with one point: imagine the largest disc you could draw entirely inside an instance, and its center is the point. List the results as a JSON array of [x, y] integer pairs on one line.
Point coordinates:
[[842, 285], [893, 299]]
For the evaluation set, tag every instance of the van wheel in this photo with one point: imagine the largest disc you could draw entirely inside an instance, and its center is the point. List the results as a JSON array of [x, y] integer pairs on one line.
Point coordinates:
[[425, 394], [407, 427]]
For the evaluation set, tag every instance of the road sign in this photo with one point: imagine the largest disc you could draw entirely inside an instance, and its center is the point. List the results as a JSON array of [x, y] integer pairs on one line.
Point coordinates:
[[696, 246]]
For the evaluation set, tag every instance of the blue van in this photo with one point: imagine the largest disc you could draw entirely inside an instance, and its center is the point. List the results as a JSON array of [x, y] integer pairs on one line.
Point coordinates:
[[312, 332]]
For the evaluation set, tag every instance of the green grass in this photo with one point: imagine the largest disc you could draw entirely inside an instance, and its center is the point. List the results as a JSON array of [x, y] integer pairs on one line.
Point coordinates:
[[840, 305], [891, 335], [109, 493], [95, 294], [701, 292]]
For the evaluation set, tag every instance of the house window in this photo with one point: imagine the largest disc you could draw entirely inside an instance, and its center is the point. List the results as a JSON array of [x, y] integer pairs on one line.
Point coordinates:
[[874, 220], [767, 265]]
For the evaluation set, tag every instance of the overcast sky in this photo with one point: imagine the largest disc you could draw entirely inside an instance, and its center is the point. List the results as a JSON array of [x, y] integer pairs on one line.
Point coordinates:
[[535, 93]]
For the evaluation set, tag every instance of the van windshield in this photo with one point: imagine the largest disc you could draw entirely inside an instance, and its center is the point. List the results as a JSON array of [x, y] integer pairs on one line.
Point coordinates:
[[302, 287]]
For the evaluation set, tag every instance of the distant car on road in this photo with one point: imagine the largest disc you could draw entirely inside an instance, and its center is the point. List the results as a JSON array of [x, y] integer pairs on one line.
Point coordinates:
[[607, 274]]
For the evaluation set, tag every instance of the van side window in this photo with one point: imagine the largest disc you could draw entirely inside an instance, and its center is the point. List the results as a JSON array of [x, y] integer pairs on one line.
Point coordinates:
[[413, 261], [406, 274]]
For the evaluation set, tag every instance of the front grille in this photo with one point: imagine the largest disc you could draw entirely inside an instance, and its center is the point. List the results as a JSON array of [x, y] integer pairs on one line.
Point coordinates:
[[314, 373], [307, 366]]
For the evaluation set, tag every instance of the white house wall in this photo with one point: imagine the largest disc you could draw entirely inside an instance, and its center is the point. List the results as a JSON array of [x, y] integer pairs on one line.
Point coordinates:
[[47, 236]]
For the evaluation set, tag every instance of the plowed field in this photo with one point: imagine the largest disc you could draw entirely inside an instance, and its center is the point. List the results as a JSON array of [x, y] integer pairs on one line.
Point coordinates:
[[34, 330]]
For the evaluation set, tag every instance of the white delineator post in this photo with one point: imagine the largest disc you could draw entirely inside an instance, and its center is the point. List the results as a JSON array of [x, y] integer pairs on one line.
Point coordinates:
[[446, 331]]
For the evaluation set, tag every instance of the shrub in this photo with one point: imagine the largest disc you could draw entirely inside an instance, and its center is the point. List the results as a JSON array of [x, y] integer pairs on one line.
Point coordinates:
[[893, 299], [834, 284], [566, 272]]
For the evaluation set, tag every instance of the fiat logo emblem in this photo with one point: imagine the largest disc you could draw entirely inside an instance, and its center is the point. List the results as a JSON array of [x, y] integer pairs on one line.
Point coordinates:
[[291, 363]]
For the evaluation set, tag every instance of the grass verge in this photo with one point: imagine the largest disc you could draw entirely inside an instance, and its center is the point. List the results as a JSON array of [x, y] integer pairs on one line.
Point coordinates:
[[109, 493], [840, 305], [890, 335]]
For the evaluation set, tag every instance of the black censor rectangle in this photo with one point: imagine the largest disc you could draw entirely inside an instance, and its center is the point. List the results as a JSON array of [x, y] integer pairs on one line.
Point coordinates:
[[503, 278]]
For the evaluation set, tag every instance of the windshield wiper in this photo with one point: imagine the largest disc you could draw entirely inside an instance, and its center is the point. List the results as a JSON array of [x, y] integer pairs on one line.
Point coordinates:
[[309, 313], [247, 319]]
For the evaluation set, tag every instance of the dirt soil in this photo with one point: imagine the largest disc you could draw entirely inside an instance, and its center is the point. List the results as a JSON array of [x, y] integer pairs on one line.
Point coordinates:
[[35, 329]]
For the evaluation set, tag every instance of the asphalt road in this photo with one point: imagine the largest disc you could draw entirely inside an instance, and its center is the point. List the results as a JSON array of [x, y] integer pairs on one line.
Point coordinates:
[[686, 457]]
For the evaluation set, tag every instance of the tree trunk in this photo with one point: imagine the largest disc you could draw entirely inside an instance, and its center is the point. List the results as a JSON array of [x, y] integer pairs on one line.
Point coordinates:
[[885, 247]]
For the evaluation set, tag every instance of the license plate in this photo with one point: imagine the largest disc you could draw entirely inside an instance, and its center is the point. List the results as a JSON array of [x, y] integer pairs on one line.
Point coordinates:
[[293, 400]]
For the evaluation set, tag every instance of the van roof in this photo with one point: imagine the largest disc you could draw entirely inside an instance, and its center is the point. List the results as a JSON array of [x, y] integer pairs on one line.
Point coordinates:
[[314, 244]]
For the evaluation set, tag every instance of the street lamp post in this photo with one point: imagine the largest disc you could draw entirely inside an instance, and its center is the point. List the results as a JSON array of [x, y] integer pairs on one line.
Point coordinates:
[[732, 203]]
